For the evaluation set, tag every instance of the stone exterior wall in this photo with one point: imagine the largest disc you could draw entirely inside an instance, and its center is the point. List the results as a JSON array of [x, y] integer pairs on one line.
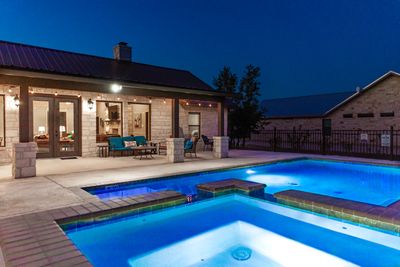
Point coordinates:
[[298, 123], [160, 109], [381, 98]]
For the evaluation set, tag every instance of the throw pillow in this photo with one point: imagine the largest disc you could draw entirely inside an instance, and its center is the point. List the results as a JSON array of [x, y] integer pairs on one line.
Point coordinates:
[[130, 143]]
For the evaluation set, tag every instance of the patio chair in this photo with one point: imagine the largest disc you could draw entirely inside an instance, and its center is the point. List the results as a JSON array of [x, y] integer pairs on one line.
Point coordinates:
[[190, 146], [207, 142]]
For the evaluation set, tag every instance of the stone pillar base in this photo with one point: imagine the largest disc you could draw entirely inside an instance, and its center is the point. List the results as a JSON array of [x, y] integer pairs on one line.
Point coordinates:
[[175, 151], [24, 160], [221, 146]]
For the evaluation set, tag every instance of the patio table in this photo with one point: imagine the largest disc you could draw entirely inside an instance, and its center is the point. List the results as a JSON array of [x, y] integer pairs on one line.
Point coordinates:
[[144, 151]]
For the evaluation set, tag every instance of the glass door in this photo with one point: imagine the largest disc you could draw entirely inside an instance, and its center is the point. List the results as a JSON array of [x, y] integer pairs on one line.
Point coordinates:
[[42, 125], [55, 126], [66, 128]]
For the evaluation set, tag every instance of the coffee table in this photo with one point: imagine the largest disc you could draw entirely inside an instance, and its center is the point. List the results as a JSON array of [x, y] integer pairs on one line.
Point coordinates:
[[144, 151]]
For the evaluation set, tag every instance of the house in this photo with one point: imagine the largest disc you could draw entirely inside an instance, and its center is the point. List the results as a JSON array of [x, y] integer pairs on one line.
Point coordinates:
[[374, 107], [68, 103]]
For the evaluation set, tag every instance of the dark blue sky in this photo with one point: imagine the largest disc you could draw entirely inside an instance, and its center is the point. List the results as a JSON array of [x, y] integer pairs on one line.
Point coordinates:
[[303, 47]]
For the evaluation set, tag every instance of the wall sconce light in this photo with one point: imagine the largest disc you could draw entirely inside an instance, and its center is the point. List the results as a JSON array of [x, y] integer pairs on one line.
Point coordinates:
[[149, 99], [116, 88], [90, 103], [16, 101]]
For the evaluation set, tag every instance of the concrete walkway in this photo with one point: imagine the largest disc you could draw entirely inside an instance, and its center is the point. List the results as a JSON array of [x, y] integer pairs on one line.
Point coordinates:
[[59, 181]]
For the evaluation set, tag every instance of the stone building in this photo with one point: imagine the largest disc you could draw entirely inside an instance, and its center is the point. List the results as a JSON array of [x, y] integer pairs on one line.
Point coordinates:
[[69, 103], [374, 107]]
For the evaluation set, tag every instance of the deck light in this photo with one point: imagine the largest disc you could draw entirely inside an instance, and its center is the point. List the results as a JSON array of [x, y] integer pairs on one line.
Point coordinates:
[[90, 103], [250, 172], [16, 101], [116, 88]]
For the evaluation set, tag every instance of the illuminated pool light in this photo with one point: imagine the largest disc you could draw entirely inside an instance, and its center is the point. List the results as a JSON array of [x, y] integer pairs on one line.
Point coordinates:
[[250, 172]]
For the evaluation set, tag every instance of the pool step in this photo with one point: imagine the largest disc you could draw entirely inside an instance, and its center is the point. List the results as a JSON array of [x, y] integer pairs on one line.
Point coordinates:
[[227, 186], [387, 218]]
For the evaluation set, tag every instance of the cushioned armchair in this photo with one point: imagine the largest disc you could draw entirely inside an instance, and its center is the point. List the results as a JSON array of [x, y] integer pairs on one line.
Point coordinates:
[[190, 146]]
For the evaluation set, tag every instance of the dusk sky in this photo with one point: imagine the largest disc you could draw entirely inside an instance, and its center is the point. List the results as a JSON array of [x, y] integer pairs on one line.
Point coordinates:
[[303, 47]]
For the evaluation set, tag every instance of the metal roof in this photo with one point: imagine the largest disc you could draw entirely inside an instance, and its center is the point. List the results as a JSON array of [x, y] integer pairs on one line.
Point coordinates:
[[303, 106], [38, 59]]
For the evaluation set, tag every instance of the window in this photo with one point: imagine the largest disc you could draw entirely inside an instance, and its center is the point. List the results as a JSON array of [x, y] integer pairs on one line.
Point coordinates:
[[194, 124], [139, 120], [365, 115], [108, 120], [387, 114], [348, 115], [2, 121]]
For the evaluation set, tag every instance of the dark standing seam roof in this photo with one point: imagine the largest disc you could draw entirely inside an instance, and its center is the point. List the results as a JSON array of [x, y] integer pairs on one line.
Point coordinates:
[[39, 59], [303, 106]]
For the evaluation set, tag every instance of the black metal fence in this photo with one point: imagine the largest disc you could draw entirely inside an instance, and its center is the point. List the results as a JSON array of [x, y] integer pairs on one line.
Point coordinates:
[[362, 143]]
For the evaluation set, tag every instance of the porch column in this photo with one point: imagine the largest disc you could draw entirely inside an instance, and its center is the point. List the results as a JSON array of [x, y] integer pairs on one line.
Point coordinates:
[[175, 118], [24, 113], [175, 144], [221, 142], [221, 118], [24, 152]]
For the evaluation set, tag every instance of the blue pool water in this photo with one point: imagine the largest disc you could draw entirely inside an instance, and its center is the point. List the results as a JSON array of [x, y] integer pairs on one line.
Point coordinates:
[[234, 230], [367, 183]]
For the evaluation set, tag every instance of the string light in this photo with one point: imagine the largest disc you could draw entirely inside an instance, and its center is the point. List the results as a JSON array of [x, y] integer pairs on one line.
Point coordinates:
[[164, 101], [56, 94], [78, 95], [134, 100], [9, 90], [187, 103], [210, 105], [150, 100], [199, 104], [98, 96]]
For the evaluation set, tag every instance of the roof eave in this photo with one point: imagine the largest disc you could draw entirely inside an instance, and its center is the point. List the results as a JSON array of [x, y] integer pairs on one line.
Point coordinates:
[[77, 78]]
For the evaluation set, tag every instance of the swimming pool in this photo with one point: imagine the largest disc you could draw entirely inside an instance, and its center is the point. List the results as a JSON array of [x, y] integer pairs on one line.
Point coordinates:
[[373, 184], [234, 230]]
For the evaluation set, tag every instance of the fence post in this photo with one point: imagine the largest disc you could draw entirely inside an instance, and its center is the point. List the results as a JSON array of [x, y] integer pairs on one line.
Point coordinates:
[[323, 142], [391, 143], [274, 144]]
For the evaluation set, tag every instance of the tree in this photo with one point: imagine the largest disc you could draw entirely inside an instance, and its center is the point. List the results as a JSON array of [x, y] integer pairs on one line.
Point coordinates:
[[245, 113], [226, 81]]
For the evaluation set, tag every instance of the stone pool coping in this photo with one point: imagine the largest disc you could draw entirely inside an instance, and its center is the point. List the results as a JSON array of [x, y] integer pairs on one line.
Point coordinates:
[[37, 239], [387, 218], [228, 186]]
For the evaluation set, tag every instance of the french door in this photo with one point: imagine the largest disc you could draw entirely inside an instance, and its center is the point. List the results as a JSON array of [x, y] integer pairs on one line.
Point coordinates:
[[55, 125]]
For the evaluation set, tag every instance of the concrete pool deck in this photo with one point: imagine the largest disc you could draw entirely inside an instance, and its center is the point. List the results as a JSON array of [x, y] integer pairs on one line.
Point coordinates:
[[58, 182]]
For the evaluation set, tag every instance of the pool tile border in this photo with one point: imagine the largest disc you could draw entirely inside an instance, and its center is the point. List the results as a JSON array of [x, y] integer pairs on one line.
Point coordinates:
[[37, 239], [387, 218]]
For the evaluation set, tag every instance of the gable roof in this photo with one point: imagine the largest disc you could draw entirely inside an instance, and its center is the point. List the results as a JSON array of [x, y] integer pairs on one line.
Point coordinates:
[[366, 88], [303, 106], [38, 59]]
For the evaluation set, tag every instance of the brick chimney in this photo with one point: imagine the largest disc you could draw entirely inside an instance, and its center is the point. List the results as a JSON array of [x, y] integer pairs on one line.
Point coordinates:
[[123, 52]]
